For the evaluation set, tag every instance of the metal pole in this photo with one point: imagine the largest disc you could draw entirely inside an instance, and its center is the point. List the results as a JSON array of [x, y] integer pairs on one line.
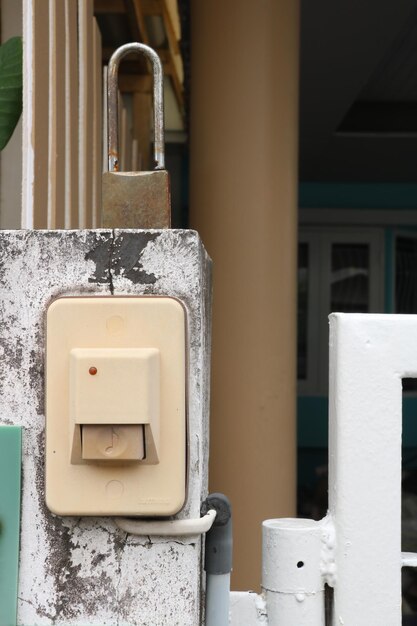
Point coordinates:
[[369, 355], [292, 579]]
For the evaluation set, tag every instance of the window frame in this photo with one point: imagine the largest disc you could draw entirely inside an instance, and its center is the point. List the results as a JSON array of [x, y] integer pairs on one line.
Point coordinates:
[[321, 239], [398, 232]]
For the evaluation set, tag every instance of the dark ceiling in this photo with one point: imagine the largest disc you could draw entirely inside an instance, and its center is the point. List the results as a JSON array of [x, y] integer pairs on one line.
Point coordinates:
[[358, 97]]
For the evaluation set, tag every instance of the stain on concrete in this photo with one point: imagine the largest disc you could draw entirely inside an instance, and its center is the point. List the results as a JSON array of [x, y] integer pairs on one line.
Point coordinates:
[[127, 251], [121, 256], [101, 255]]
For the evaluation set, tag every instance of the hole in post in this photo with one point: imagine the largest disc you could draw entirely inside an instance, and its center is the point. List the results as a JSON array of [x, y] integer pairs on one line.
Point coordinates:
[[300, 564]]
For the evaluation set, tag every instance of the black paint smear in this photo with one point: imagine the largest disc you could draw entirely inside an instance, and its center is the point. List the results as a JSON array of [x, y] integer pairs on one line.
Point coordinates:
[[121, 257], [128, 248], [100, 254]]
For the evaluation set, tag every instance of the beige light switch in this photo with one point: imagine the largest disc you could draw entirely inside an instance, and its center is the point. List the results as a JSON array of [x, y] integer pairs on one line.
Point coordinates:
[[116, 406], [114, 386]]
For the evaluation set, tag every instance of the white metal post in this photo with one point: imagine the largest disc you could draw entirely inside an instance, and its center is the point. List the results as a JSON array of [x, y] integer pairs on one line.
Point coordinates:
[[369, 355], [292, 579]]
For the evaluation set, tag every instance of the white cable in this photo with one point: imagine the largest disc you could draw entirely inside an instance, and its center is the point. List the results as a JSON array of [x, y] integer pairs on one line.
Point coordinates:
[[166, 528]]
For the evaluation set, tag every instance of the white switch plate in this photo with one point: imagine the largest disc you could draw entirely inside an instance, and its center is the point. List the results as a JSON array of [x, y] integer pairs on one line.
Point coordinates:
[[128, 339]]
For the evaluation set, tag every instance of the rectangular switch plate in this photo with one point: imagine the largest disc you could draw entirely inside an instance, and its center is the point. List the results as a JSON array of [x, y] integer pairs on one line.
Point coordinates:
[[115, 392]]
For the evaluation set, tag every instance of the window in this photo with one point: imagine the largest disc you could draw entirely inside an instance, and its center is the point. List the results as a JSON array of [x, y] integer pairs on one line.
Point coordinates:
[[405, 291], [338, 271], [406, 273]]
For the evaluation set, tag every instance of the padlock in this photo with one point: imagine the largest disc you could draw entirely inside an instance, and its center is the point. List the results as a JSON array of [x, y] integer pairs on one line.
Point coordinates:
[[136, 199]]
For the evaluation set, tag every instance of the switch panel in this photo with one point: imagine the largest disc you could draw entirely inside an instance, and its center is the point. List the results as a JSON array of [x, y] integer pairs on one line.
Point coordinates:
[[116, 406], [114, 386]]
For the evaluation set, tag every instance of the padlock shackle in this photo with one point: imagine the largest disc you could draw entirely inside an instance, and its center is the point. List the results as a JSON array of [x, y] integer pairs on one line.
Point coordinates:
[[112, 103]]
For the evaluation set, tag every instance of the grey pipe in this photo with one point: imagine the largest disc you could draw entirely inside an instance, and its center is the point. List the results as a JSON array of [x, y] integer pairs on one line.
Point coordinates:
[[218, 560], [217, 599]]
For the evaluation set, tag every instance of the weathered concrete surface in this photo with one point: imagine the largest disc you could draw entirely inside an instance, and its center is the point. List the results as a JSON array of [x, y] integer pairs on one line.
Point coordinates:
[[84, 571]]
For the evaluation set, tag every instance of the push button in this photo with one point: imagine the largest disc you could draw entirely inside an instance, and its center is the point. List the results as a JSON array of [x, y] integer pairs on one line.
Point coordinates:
[[112, 443]]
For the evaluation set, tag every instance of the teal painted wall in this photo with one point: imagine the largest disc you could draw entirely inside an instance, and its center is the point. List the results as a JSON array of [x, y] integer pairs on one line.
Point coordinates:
[[312, 423], [357, 195]]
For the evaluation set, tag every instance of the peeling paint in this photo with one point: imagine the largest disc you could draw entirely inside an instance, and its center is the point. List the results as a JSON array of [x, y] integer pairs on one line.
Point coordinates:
[[85, 571], [101, 256], [126, 257]]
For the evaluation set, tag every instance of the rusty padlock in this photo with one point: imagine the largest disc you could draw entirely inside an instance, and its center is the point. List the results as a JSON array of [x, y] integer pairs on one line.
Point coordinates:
[[136, 199]]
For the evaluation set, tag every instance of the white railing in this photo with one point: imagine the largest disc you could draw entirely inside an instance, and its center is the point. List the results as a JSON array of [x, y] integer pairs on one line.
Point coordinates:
[[356, 549], [62, 115]]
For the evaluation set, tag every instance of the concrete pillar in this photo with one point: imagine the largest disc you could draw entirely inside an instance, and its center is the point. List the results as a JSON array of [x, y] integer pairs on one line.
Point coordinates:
[[77, 571], [243, 203]]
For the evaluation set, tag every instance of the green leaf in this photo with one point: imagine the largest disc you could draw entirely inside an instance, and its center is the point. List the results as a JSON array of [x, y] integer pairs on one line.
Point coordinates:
[[11, 53]]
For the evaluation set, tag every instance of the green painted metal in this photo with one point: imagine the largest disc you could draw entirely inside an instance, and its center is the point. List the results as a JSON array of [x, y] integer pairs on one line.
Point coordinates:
[[10, 472]]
